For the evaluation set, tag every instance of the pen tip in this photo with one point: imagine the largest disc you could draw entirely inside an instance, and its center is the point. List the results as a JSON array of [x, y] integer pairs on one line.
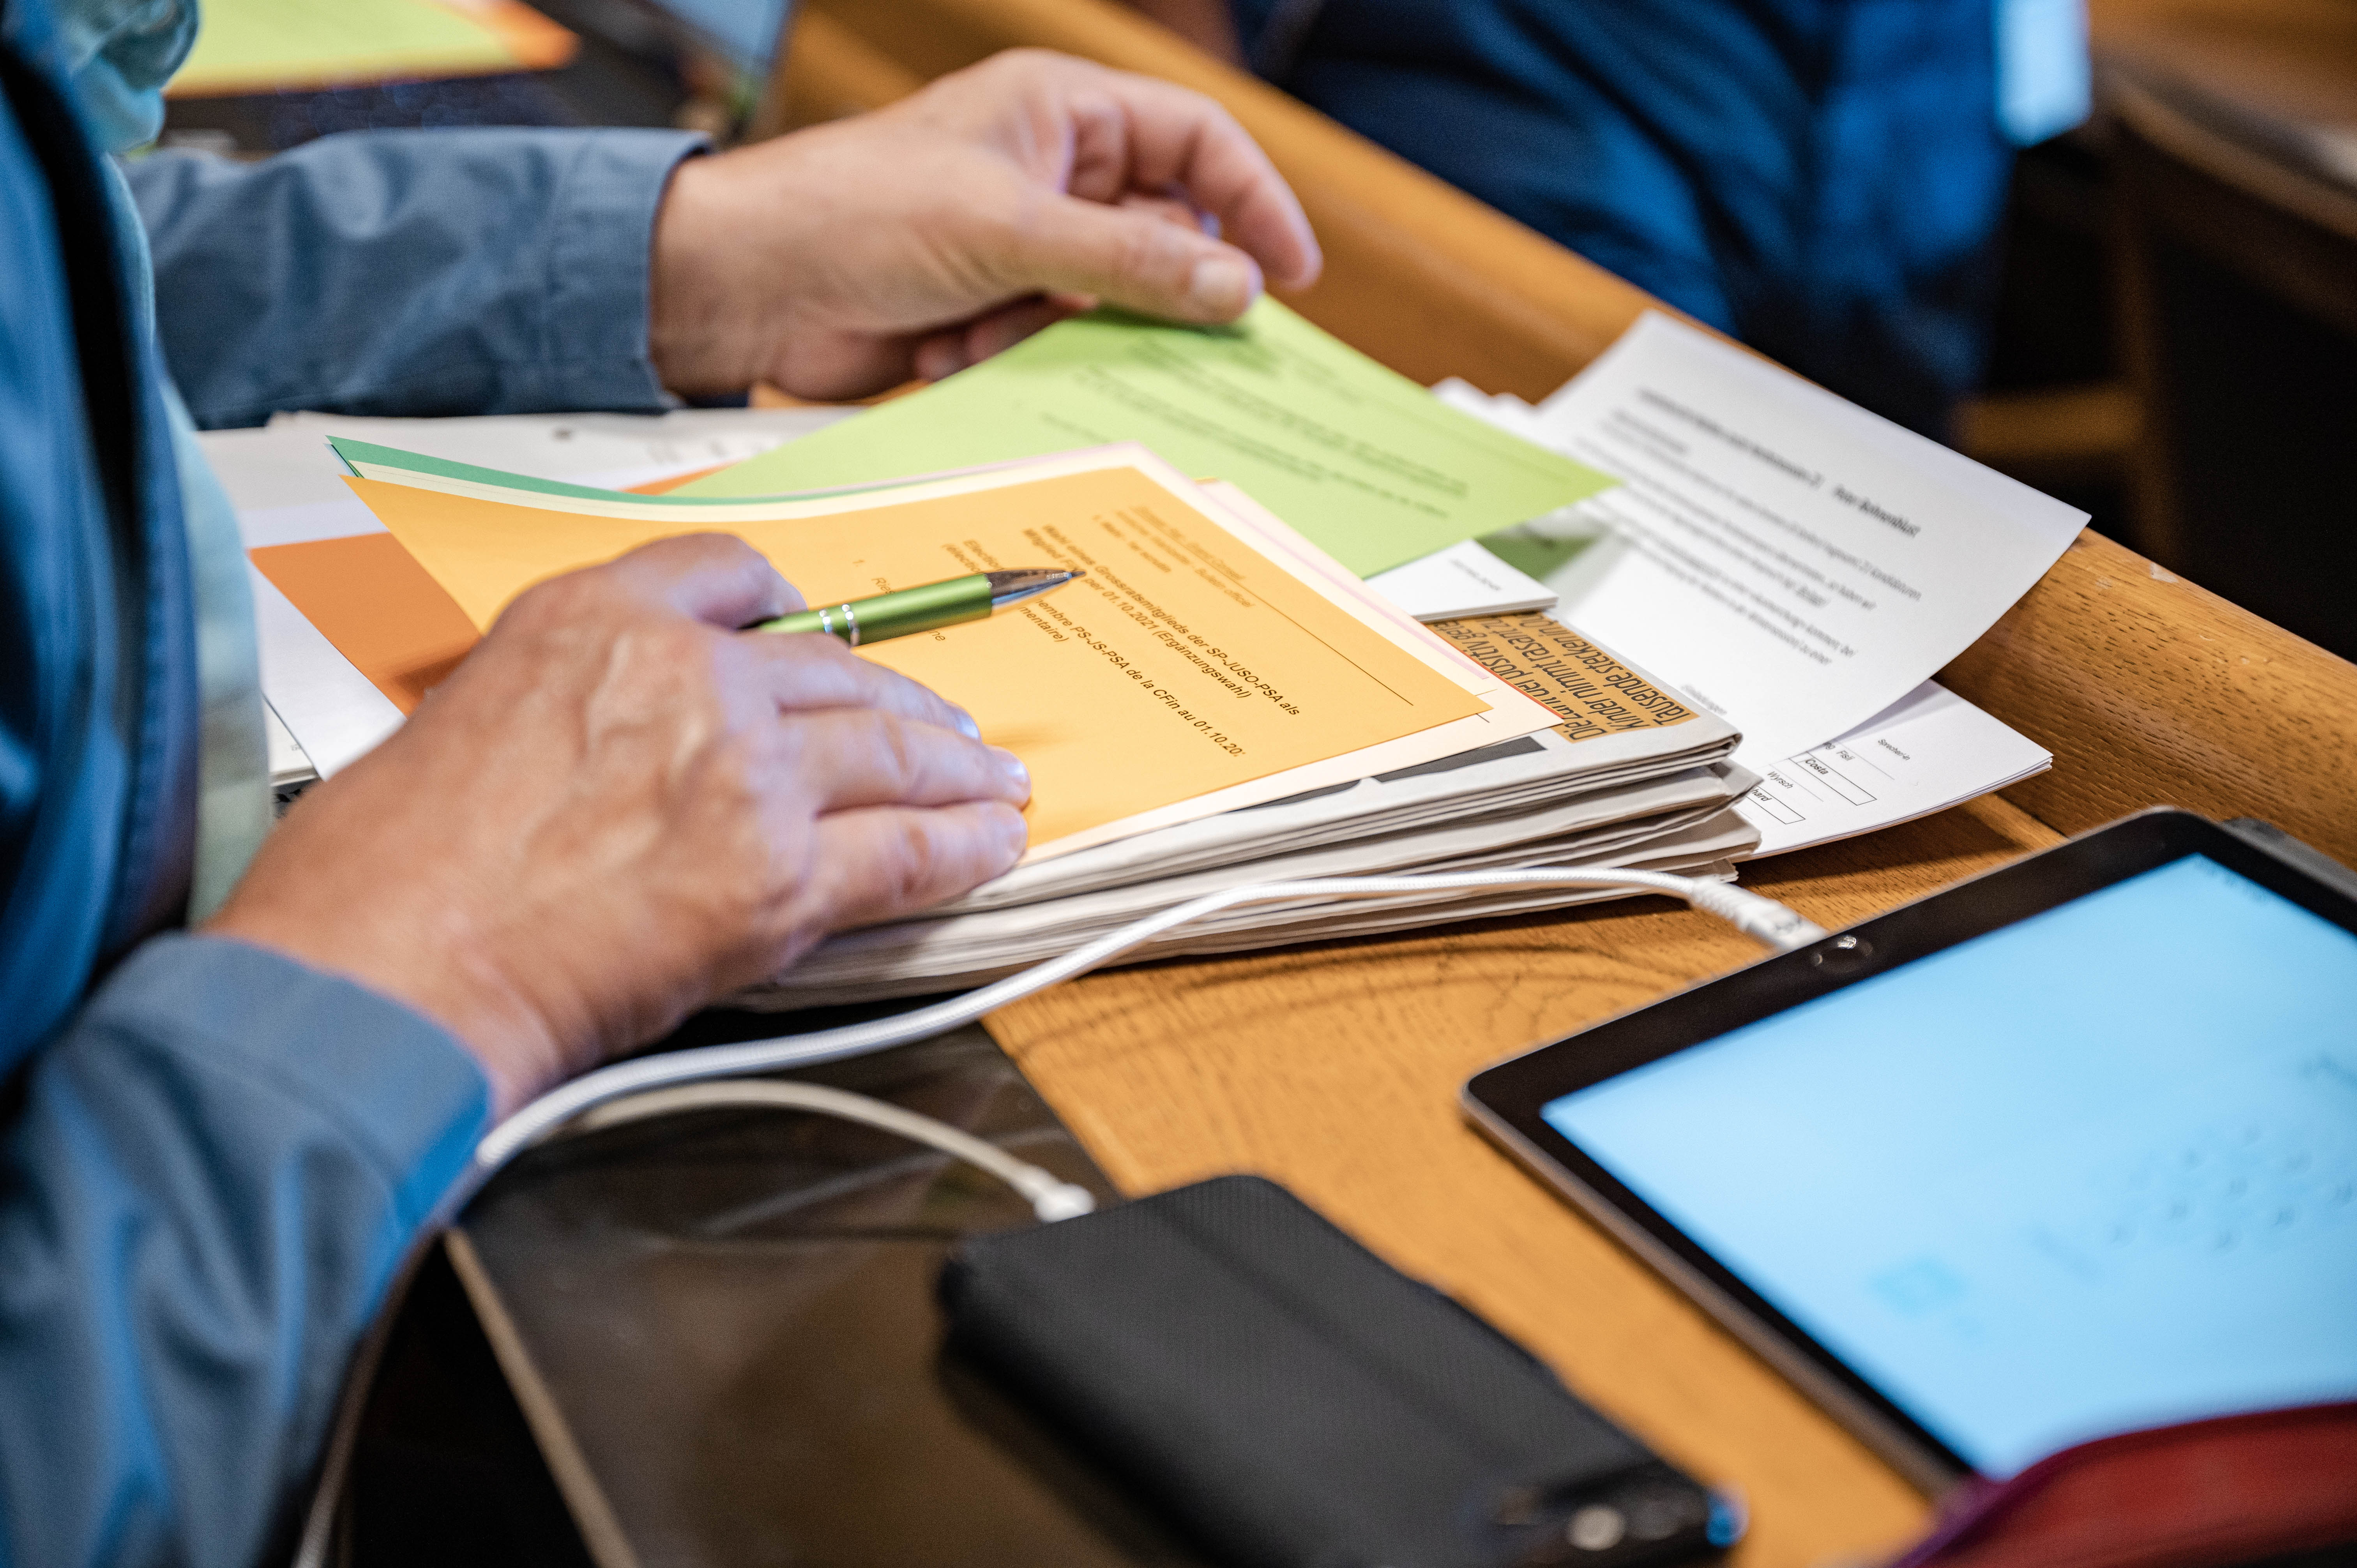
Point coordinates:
[[1011, 587]]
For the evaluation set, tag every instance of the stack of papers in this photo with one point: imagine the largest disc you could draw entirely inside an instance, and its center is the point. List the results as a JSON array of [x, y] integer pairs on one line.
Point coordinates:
[[1651, 789], [1707, 633], [1216, 701], [1195, 668]]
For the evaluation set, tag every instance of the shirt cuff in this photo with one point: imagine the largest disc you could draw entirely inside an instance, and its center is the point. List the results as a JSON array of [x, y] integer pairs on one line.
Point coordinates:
[[399, 1090], [600, 262]]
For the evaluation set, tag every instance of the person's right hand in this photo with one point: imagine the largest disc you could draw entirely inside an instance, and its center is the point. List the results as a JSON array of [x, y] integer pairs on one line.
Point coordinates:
[[617, 808]]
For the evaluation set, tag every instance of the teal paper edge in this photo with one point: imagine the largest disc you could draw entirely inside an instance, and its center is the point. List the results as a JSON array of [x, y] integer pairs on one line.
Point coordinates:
[[355, 452]]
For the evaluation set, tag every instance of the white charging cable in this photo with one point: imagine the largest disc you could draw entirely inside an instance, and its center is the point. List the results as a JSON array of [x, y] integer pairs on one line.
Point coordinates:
[[1763, 919], [1050, 1196], [652, 1086]]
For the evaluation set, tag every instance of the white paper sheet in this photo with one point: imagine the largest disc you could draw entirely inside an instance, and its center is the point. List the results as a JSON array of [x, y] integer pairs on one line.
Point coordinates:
[[335, 713], [288, 462], [1460, 581], [289, 763], [1795, 562], [1925, 753]]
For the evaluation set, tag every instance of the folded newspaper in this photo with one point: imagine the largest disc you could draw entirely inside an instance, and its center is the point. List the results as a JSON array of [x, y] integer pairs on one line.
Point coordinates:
[[1634, 777]]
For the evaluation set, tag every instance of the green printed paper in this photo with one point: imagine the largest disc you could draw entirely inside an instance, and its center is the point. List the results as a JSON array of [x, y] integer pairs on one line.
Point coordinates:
[[1367, 463]]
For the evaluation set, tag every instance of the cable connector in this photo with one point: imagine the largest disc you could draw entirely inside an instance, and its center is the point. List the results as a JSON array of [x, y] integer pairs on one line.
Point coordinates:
[[1054, 1200], [1764, 920]]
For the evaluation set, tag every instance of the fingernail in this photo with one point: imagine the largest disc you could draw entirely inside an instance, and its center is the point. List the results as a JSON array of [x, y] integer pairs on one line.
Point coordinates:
[[966, 724], [1014, 832], [1012, 766], [1220, 286]]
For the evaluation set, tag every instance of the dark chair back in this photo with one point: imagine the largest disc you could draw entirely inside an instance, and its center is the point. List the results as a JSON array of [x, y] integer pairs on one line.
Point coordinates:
[[2237, 219]]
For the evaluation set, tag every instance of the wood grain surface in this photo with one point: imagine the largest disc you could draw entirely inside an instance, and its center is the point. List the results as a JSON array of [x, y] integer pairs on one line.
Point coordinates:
[[2151, 690], [1335, 1070]]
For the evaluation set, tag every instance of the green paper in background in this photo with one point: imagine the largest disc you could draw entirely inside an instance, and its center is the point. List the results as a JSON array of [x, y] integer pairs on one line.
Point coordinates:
[[249, 43], [1366, 463]]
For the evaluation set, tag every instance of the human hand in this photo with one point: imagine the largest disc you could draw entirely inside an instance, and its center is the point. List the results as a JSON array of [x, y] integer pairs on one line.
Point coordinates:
[[917, 240], [618, 807]]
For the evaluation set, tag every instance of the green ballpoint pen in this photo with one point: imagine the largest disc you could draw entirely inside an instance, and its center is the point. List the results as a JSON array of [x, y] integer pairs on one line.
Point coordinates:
[[935, 604]]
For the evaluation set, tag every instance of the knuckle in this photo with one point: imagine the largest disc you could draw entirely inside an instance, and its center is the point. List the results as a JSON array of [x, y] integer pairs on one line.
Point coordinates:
[[704, 548], [912, 860], [1029, 59], [684, 641], [896, 752], [1150, 251], [1216, 116], [896, 692], [556, 600], [671, 645], [821, 672]]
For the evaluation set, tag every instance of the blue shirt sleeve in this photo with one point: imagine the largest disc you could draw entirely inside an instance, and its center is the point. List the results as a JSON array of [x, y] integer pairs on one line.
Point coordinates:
[[205, 1188], [410, 272]]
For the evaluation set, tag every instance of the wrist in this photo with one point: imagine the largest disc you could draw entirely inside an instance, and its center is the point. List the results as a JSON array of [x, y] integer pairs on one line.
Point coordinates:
[[697, 338], [520, 1054]]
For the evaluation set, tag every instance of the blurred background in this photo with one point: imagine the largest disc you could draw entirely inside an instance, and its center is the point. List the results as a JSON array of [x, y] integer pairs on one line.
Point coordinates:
[[2173, 295], [267, 75]]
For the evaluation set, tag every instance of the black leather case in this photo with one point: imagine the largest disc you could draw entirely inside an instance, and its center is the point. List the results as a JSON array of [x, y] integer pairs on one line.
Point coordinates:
[[1290, 1401]]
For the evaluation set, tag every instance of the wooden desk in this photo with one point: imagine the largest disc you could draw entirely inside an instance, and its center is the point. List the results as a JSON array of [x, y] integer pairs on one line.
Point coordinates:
[[1335, 1068]]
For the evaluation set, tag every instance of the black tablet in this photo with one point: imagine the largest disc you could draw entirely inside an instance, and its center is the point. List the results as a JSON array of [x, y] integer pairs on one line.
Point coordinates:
[[2065, 1150]]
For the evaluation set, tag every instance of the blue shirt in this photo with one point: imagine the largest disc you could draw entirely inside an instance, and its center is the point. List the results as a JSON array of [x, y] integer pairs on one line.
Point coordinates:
[[410, 272], [213, 1158], [1822, 178]]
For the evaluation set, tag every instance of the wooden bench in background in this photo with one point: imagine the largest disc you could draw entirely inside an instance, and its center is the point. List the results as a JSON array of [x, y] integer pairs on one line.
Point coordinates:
[[1335, 1068]]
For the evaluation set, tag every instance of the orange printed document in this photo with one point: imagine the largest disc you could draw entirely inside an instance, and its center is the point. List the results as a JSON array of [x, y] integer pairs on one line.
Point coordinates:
[[1191, 670], [381, 609]]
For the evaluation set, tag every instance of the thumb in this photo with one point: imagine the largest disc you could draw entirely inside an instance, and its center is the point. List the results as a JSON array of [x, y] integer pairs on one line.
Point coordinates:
[[953, 348], [1135, 259], [716, 578]]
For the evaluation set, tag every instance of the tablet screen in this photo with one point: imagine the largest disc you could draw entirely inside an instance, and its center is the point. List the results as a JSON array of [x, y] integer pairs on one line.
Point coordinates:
[[2092, 1171]]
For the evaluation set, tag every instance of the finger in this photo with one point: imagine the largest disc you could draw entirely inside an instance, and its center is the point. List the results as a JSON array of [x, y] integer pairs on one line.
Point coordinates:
[[883, 863], [834, 366], [1133, 259], [716, 578], [1163, 137], [947, 352], [847, 758], [811, 672], [1172, 208]]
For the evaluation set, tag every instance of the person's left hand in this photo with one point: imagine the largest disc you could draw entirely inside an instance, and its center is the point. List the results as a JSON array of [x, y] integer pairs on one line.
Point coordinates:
[[914, 241]]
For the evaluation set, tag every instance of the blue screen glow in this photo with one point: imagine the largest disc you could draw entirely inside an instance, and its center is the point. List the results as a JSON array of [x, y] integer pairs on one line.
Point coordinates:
[[2091, 1172], [748, 29]]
